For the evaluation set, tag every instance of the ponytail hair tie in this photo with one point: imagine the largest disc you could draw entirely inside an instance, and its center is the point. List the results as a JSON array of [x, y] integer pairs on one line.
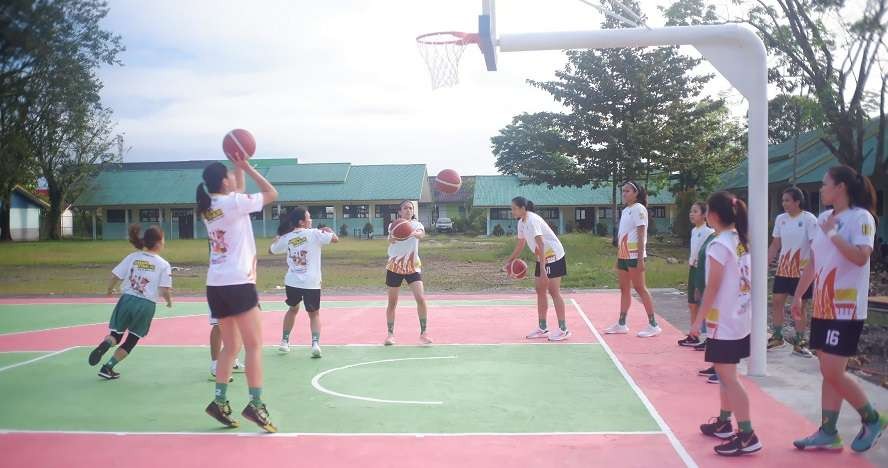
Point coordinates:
[[734, 202]]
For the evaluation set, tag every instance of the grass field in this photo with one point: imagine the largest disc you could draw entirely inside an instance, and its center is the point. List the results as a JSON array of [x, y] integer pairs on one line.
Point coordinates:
[[451, 263]]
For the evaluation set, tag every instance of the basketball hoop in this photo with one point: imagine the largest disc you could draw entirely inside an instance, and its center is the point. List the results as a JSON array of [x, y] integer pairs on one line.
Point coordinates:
[[442, 52]]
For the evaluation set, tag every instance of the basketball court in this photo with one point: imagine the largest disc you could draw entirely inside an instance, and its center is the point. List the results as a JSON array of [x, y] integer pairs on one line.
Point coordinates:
[[482, 395]]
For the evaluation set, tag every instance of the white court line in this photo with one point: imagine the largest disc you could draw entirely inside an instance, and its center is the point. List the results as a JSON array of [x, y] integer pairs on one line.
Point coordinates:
[[676, 444], [94, 324], [335, 434], [316, 381], [38, 358], [378, 345]]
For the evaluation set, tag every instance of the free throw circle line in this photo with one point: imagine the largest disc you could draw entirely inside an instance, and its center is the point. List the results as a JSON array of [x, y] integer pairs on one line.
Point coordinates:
[[315, 382]]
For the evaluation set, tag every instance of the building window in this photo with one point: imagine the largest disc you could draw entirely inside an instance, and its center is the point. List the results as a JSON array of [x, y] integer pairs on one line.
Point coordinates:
[[814, 202], [580, 214], [149, 216], [275, 212], [322, 212], [116, 216], [377, 211], [257, 216], [605, 213], [549, 213], [500, 213], [462, 211], [355, 211], [657, 211]]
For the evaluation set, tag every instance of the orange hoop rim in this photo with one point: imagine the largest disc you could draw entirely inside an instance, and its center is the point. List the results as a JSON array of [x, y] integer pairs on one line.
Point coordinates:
[[457, 38]]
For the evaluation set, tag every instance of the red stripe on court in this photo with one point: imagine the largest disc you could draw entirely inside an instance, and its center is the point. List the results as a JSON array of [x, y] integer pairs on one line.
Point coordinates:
[[667, 374], [362, 325], [405, 296], [134, 451]]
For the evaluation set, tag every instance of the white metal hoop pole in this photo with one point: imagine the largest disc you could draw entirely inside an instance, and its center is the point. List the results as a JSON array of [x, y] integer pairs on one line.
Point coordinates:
[[738, 54]]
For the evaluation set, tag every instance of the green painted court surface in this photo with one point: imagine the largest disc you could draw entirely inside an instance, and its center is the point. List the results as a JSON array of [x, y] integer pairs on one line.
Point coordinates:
[[497, 389], [15, 357], [28, 317]]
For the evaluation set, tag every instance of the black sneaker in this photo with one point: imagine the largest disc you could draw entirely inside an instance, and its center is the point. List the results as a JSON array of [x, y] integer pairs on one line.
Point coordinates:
[[700, 347], [689, 342], [739, 444], [108, 373], [707, 372], [96, 355], [259, 415], [718, 428], [221, 412], [776, 342]]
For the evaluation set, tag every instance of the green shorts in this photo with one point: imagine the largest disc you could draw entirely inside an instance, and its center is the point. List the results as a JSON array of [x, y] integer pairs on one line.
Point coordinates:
[[692, 289], [134, 314], [625, 264]]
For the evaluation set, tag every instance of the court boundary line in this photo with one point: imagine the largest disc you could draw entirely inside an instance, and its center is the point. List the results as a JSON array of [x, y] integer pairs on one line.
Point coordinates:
[[673, 439], [337, 302], [38, 358], [65, 327], [332, 434]]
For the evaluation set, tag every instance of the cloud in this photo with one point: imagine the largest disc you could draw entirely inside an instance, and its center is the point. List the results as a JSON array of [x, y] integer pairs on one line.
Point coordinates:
[[322, 81]]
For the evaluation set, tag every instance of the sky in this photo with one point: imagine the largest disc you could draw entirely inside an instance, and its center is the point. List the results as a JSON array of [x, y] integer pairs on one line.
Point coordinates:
[[334, 81]]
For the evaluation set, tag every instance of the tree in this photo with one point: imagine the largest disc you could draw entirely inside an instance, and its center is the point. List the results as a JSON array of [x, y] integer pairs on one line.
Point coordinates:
[[622, 119], [832, 49], [790, 115], [52, 107]]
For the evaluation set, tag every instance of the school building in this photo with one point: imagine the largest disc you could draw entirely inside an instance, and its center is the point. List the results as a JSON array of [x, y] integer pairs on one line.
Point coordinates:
[[564, 208], [343, 196], [805, 161]]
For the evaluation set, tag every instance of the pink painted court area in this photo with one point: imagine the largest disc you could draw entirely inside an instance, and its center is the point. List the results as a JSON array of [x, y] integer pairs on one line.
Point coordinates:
[[657, 374]]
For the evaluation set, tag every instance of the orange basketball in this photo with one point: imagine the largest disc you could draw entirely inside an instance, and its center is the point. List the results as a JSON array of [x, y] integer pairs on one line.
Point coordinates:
[[401, 229], [448, 181], [238, 144], [517, 269]]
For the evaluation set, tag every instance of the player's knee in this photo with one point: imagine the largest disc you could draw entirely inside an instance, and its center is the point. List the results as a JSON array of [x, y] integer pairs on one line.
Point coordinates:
[[130, 343], [117, 337]]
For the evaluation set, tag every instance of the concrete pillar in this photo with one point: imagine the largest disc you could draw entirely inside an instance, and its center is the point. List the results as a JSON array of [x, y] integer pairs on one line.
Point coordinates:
[[94, 223]]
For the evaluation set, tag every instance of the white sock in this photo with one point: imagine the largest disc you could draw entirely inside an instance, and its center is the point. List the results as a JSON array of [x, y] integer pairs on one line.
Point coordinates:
[[213, 367]]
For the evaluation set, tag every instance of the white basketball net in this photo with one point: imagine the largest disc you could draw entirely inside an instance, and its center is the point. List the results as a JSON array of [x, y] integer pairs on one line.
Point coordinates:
[[442, 52]]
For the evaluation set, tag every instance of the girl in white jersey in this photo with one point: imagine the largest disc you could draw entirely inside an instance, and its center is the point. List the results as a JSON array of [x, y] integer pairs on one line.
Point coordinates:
[[303, 245], [231, 280], [726, 309], [699, 234], [840, 271], [551, 266], [631, 253], [793, 232], [146, 276], [404, 265]]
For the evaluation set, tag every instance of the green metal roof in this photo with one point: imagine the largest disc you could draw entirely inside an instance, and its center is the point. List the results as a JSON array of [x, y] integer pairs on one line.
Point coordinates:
[[498, 191], [813, 159], [333, 173], [120, 187]]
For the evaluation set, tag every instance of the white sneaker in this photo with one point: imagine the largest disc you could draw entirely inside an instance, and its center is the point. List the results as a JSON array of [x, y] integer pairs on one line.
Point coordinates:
[[616, 329], [650, 331], [238, 367], [284, 347], [559, 335], [389, 339], [425, 340], [538, 333], [315, 350]]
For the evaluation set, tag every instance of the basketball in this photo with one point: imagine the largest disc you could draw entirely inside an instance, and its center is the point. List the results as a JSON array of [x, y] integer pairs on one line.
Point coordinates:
[[448, 181], [238, 144], [401, 229], [517, 269]]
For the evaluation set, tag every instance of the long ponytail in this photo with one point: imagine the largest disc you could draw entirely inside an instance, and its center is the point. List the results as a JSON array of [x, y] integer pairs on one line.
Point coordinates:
[[861, 192], [213, 175], [731, 210]]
